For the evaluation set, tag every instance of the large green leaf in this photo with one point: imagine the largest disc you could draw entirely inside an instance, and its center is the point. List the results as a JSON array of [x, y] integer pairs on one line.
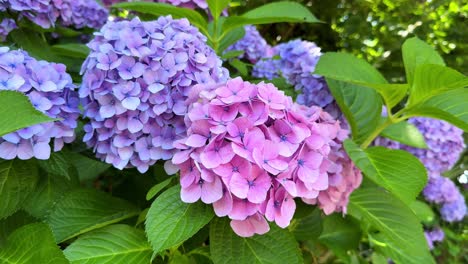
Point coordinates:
[[32, 244], [11, 223], [17, 180], [399, 231], [16, 112], [417, 52], [116, 244], [278, 246], [361, 106], [361, 73], [170, 221], [340, 234], [405, 133], [83, 210], [272, 13], [217, 7], [308, 227], [431, 80], [160, 9], [230, 38], [157, 188], [50, 189], [88, 169], [74, 50], [451, 106], [396, 170], [422, 211], [59, 165]]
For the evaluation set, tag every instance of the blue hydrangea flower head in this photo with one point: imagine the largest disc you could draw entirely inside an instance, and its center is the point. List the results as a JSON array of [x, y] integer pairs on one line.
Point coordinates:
[[253, 45], [51, 91], [136, 81]]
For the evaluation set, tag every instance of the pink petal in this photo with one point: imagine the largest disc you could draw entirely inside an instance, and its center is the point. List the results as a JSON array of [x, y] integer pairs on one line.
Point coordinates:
[[195, 141], [212, 191], [239, 186], [191, 194]]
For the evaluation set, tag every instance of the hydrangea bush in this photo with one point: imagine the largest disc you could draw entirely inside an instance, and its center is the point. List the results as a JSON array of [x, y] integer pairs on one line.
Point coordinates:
[[187, 138]]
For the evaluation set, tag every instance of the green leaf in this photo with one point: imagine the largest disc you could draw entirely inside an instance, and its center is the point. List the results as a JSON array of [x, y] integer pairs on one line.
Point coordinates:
[[361, 74], [17, 180], [417, 52], [361, 106], [32, 244], [401, 235], [11, 223], [170, 221], [278, 246], [230, 38], [340, 234], [58, 165], [431, 80], [74, 50], [50, 189], [217, 7], [116, 244], [422, 211], [157, 188], [451, 106], [232, 54], [160, 9], [405, 133], [16, 112], [272, 13], [396, 170], [83, 210], [378, 259], [308, 227], [240, 66], [88, 169]]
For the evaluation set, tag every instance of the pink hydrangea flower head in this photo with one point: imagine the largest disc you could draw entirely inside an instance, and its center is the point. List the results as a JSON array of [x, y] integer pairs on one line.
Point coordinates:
[[265, 151], [137, 79]]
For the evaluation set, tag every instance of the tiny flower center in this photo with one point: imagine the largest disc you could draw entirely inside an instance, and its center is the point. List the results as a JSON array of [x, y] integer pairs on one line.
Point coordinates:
[[283, 138]]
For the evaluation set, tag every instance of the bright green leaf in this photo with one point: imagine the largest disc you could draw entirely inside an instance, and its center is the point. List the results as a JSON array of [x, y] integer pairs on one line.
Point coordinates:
[[405, 133], [160, 9], [217, 7], [278, 246], [431, 80], [170, 221], [116, 244], [11, 223], [230, 38], [396, 170], [340, 234], [400, 232], [361, 106], [232, 54], [272, 13], [157, 188], [422, 211], [83, 210], [16, 112], [32, 244], [417, 52], [240, 66], [74, 50], [17, 180]]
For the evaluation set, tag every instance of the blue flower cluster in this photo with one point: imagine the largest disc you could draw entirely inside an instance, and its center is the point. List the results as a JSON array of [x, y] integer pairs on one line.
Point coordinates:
[[50, 90], [435, 235], [253, 45], [46, 13], [136, 81], [6, 26]]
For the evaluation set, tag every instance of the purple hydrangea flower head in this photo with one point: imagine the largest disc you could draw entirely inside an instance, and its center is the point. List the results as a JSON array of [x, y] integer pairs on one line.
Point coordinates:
[[6, 26], [50, 90], [47, 13], [253, 45], [249, 151], [192, 4], [297, 61], [454, 211], [435, 235], [136, 81]]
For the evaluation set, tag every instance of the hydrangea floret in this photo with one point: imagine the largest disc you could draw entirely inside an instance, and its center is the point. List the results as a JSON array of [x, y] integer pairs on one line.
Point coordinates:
[[250, 151], [51, 91], [253, 44], [434, 235], [135, 85], [6, 26]]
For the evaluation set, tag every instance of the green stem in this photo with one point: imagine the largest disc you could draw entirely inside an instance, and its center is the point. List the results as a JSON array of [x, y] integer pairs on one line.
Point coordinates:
[[376, 133]]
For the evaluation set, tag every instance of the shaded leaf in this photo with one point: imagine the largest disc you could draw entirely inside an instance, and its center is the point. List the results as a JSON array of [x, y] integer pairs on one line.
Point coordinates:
[[157, 188], [340, 234], [11, 223], [74, 50]]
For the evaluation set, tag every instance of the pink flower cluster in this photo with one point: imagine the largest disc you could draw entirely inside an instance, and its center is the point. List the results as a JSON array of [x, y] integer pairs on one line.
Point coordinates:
[[250, 151]]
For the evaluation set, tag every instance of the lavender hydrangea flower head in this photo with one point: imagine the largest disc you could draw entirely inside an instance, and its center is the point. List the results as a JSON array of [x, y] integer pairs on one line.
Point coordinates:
[[46, 13], [50, 90], [135, 85], [6, 26], [435, 235], [253, 45], [454, 211], [297, 61], [250, 150], [267, 68]]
